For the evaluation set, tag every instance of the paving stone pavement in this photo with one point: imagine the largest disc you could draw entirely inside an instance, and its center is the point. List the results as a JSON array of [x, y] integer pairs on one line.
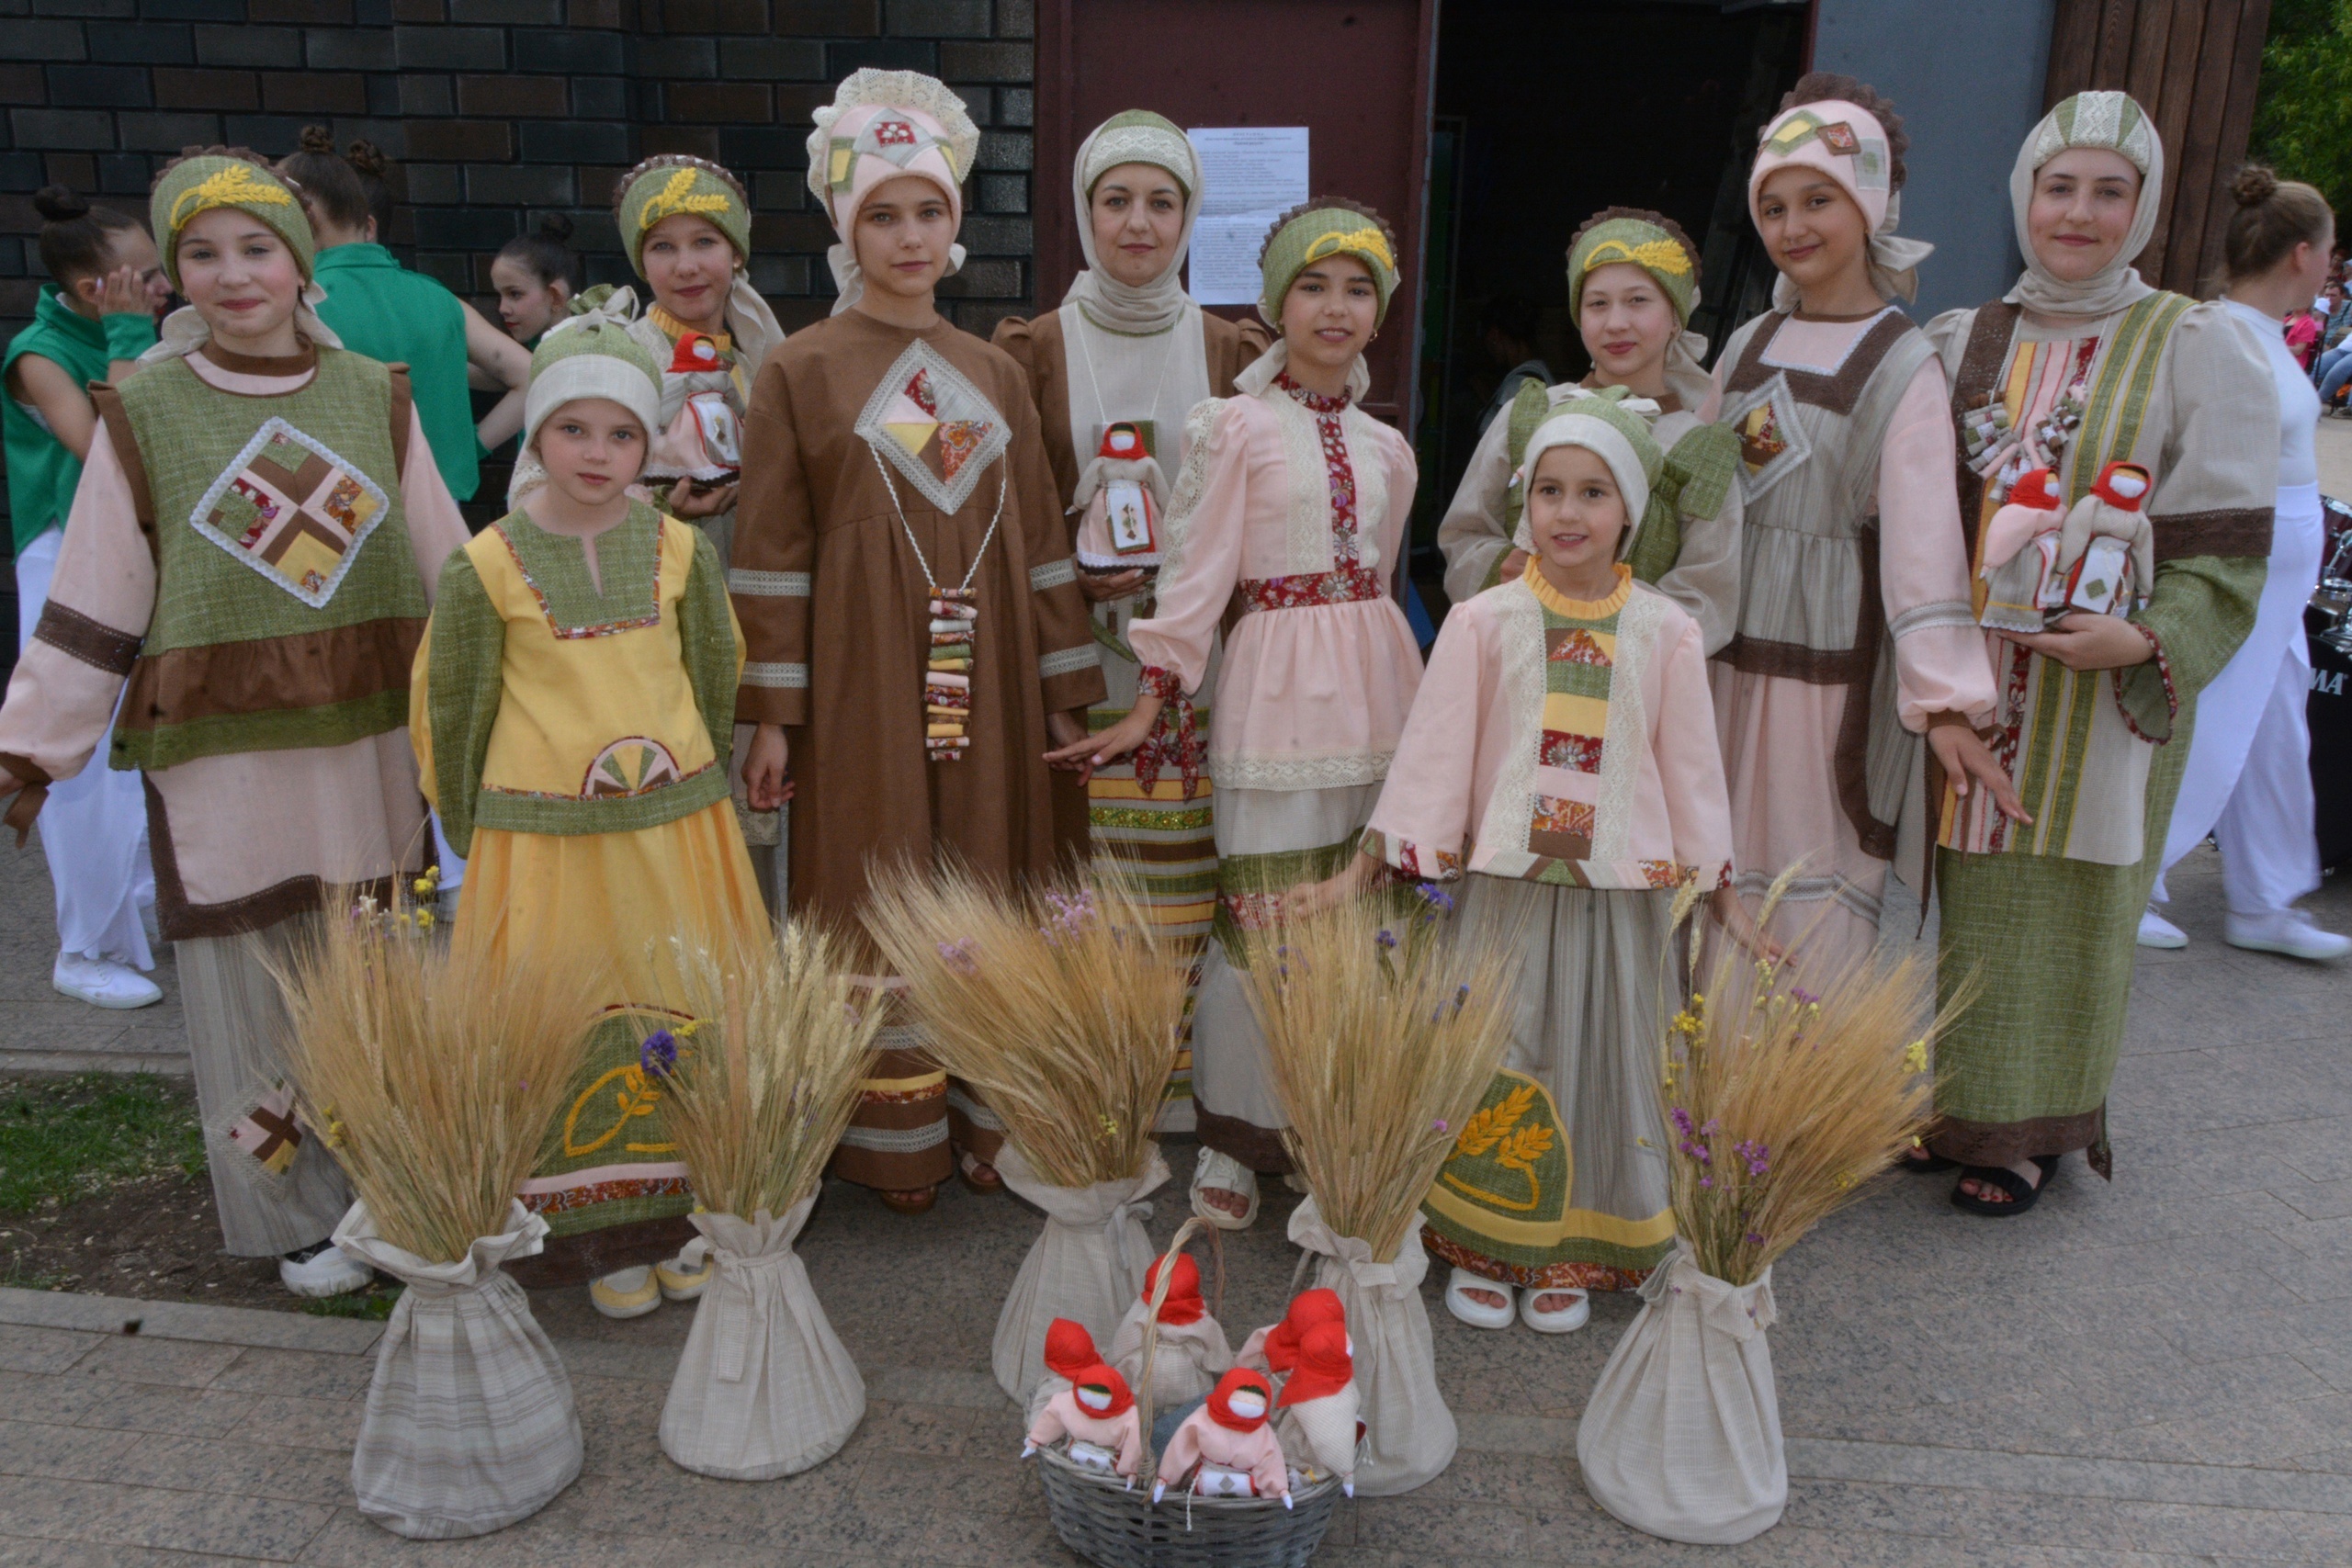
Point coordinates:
[[2148, 1374]]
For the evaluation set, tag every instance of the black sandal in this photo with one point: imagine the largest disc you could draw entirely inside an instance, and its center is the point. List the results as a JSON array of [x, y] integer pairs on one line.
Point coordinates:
[[2023, 1195], [1924, 1161]]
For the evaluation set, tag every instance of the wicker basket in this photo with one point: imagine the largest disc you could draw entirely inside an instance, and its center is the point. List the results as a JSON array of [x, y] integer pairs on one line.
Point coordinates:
[[1112, 1524]]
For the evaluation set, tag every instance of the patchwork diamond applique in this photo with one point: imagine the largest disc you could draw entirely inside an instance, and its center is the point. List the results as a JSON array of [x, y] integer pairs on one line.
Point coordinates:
[[631, 767], [292, 510], [1840, 138], [1772, 440], [929, 421]]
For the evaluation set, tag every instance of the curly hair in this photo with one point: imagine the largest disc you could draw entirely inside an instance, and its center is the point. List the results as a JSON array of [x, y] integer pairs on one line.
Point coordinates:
[[677, 160], [1815, 85], [1644, 215], [1322, 203]]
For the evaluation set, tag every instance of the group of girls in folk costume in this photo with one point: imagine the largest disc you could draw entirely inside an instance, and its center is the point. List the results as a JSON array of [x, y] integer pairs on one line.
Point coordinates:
[[917, 638], [1632, 283], [2079, 367], [1130, 348], [1291, 505], [573, 715], [2249, 779], [255, 500], [94, 318]]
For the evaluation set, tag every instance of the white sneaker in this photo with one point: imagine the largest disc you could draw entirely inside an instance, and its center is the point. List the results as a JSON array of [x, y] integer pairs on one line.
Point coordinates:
[[102, 983], [324, 1269], [2157, 932], [2289, 931]]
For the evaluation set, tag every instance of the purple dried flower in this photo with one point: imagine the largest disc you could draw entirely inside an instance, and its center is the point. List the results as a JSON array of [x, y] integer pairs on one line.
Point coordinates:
[[1682, 1123], [1385, 938], [1436, 897], [1441, 1125], [1754, 1239], [658, 1057], [1714, 1125], [1758, 1156], [1707, 1183], [961, 956], [1803, 996]]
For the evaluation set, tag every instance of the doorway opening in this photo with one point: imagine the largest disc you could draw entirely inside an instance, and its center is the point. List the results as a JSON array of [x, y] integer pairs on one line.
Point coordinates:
[[1545, 112]]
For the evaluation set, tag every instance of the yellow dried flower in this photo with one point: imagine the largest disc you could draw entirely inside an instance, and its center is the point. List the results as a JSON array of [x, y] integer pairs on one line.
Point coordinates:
[[1914, 1055], [424, 919]]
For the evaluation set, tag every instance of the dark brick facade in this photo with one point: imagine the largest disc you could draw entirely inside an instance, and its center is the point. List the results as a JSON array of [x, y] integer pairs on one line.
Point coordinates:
[[501, 111]]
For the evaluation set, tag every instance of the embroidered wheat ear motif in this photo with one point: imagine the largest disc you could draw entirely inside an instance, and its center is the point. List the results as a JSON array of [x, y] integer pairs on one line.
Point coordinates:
[[1485, 1128]]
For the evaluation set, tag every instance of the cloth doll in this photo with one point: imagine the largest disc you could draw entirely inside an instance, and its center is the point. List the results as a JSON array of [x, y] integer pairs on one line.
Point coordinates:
[[1193, 1352], [1098, 1414], [1230, 1441], [1119, 498], [1274, 1350], [1320, 1403], [1069, 1350], [2042, 560]]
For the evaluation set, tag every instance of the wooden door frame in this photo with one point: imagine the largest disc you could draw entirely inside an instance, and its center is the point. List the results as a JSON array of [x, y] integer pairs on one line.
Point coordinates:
[[1054, 227]]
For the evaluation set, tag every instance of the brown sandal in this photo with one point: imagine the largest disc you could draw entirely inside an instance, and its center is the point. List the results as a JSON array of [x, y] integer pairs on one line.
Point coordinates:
[[914, 1201], [977, 1174]]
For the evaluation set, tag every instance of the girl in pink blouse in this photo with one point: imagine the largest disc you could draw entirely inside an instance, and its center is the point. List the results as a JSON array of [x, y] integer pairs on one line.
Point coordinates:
[[1295, 501]]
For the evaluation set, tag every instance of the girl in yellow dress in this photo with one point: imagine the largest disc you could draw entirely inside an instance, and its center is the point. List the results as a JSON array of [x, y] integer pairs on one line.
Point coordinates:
[[572, 708]]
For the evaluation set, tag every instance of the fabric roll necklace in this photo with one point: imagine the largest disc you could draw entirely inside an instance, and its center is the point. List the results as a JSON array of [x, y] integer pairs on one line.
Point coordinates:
[[955, 628]]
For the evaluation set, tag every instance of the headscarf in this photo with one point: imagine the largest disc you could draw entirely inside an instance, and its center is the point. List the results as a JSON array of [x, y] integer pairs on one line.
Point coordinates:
[[1136, 136], [1613, 425], [209, 180], [1669, 261], [1327, 1363], [1133, 353], [2117, 122], [1106, 1380], [1310, 237], [1307, 1309], [592, 355], [1183, 1304], [1847, 142], [1069, 1349], [1240, 1380], [673, 184], [882, 124]]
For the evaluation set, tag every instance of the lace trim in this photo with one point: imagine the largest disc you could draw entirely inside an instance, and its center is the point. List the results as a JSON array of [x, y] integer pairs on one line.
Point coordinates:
[[770, 584], [1510, 809], [1053, 574], [1191, 481], [1069, 662], [776, 677], [1299, 772]]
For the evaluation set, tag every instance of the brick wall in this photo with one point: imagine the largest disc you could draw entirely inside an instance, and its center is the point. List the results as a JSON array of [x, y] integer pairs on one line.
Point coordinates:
[[501, 111]]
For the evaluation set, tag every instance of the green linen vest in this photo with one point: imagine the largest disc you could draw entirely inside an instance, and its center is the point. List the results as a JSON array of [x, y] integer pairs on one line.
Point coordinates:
[[287, 602]]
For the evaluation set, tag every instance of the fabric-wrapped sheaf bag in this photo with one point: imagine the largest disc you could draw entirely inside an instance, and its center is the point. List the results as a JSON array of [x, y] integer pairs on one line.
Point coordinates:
[[1409, 1434], [1681, 1436], [765, 1388], [471, 1425], [1087, 1267]]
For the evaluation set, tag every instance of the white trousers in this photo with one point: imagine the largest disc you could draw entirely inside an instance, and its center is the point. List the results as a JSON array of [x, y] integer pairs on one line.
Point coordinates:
[[93, 827], [2249, 779]]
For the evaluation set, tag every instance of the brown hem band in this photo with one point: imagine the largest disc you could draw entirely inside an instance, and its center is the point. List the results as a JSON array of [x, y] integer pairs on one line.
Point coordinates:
[[2007, 1143], [1838, 391], [592, 1255], [1259, 1148], [26, 806], [2239, 531], [94, 643], [125, 442], [272, 675], [179, 920]]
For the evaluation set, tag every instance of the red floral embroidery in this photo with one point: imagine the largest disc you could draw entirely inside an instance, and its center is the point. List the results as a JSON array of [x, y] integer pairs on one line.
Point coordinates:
[[1562, 750], [1343, 474], [1344, 586], [1175, 740], [1252, 911], [596, 1192]]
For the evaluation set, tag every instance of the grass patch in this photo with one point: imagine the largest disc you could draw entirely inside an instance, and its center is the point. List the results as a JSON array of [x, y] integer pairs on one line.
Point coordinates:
[[373, 1304], [63, 1138]]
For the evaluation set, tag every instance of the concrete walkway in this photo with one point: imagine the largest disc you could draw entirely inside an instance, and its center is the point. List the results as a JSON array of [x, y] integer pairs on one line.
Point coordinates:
[[2151, 1374]]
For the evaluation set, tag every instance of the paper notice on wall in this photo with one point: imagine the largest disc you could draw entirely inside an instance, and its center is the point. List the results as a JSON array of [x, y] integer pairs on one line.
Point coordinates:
[[1251, 174]]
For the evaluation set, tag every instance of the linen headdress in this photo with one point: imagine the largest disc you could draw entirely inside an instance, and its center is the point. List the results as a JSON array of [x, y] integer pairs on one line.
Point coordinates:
[[1668, 259], [882, 124], [1848, 143], [592, 355], [1136, 136], [222, 176], [2117, 122], [674, 183], [1616, 425], [1304, 237]]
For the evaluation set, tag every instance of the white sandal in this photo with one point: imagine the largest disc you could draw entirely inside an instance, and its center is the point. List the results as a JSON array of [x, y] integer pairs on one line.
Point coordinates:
[[1477, 1314], [1225, 1174], [1566, 1321], [626, 1293]]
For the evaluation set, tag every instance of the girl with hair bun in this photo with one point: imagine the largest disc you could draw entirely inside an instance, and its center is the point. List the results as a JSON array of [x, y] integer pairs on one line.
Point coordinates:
[[95, 317], [1292, 505], [382, 310], [2249, 780], [2093, 411], [534, 274]]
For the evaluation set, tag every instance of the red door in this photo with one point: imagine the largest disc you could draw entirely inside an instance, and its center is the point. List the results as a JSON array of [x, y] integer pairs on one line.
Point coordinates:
[[1356, 72]]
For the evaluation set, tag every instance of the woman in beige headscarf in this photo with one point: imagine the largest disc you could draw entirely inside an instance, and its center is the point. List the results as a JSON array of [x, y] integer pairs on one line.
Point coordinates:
[[1128, 346], [2080, 366]]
